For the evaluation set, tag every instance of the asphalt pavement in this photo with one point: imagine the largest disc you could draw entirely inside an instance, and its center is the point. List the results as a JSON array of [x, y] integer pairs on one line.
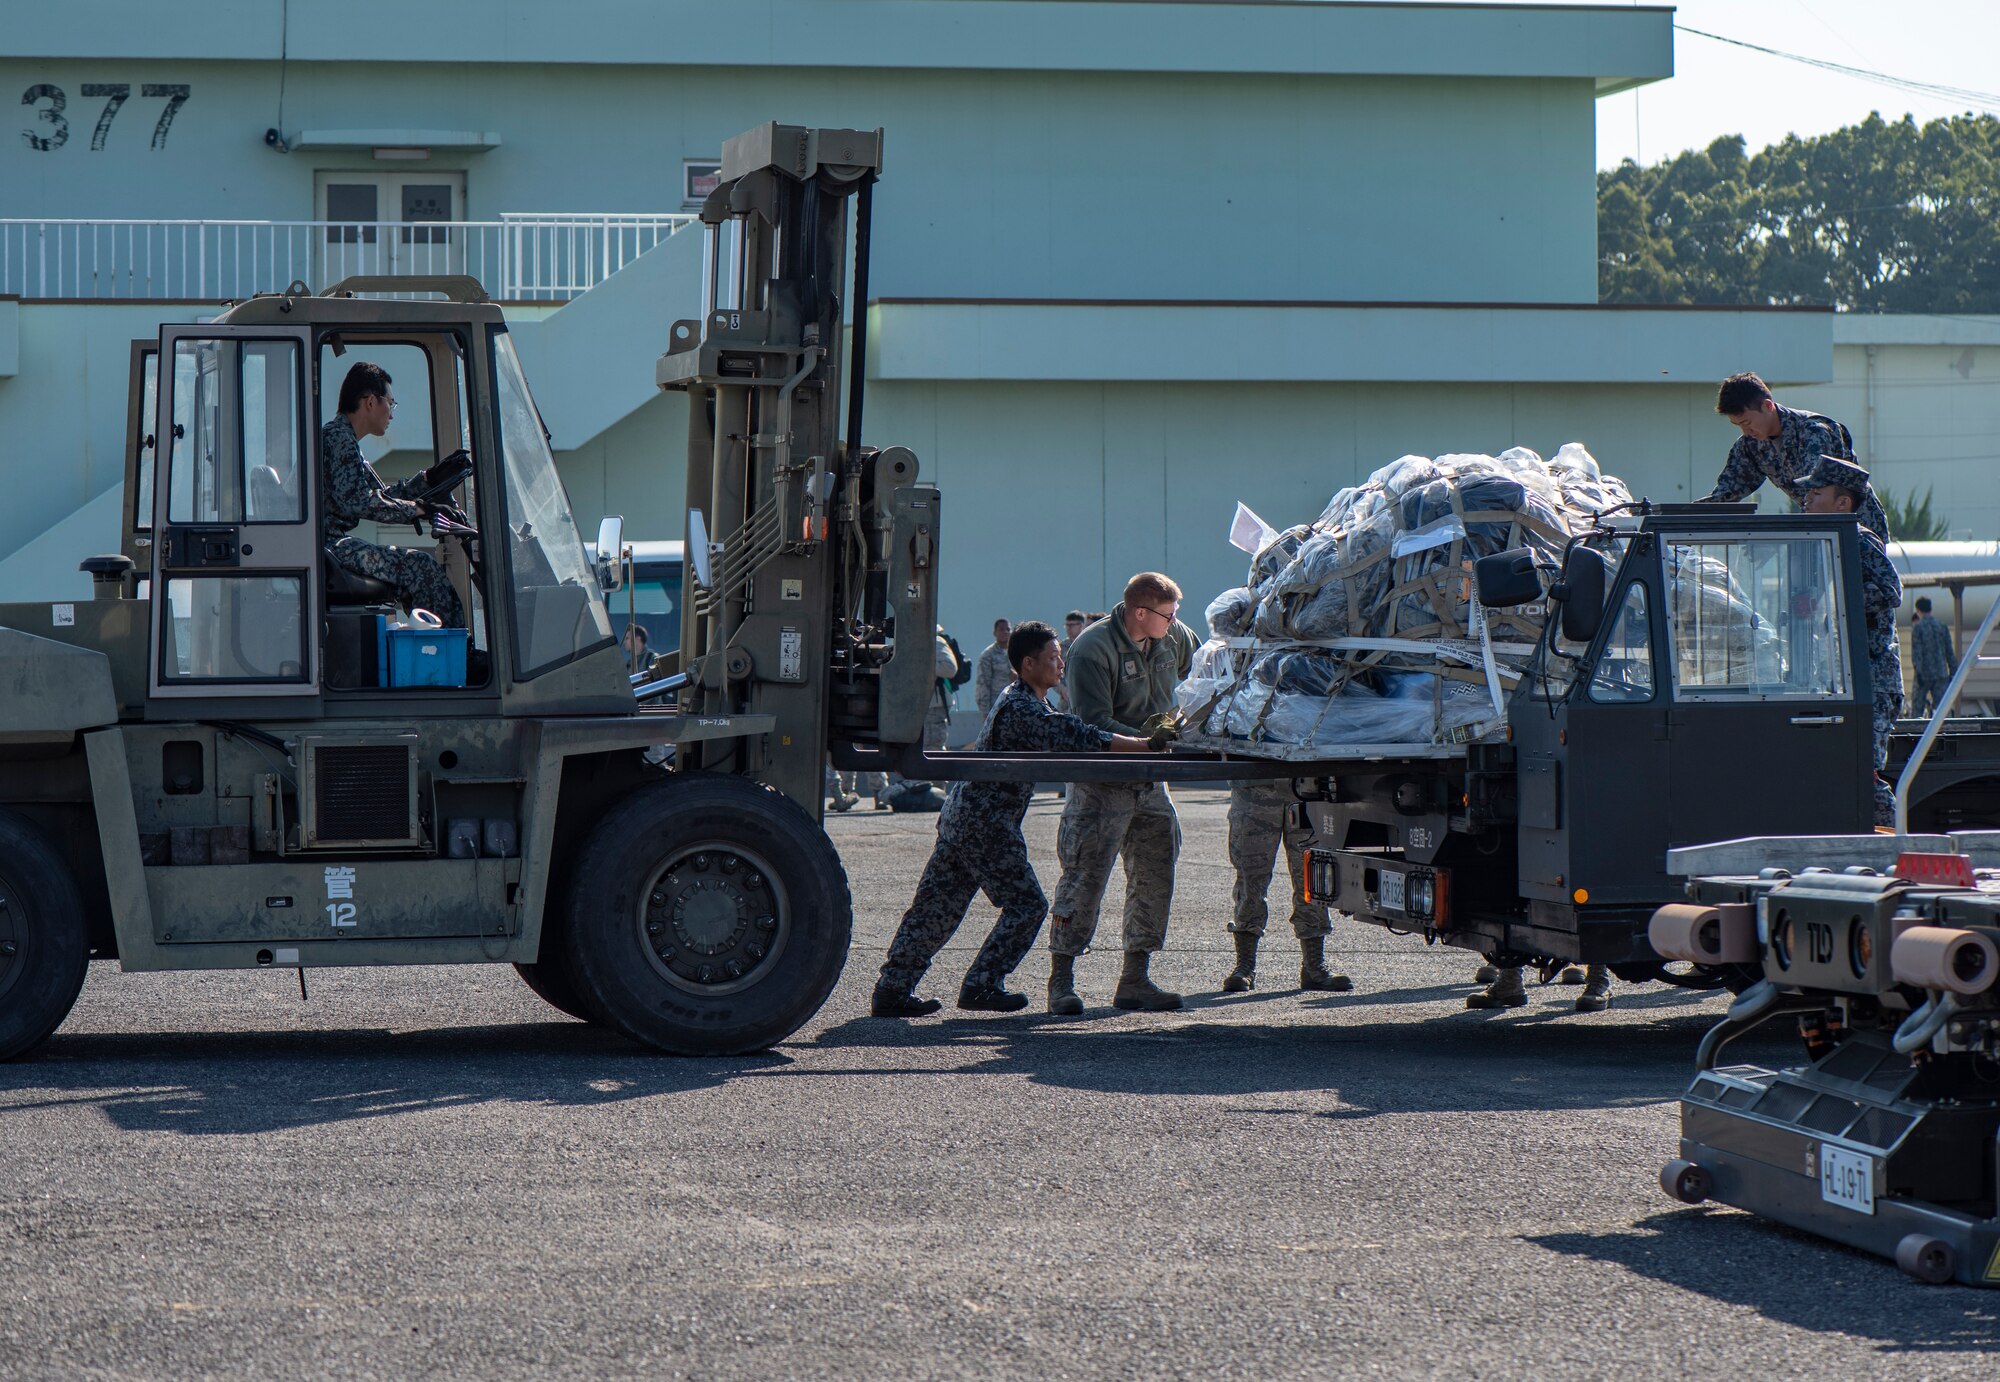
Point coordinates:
[[428, 1173]]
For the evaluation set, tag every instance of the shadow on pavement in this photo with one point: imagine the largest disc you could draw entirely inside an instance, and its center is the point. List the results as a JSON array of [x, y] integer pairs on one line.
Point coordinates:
[[255, 1082], [1793, 1278], [1420, 1065]]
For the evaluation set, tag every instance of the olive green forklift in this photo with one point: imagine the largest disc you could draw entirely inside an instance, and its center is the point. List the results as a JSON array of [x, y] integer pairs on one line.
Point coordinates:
[[240, 755]]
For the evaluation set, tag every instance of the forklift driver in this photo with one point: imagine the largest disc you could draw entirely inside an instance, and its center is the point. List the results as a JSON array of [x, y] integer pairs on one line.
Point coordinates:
[[353, 491]]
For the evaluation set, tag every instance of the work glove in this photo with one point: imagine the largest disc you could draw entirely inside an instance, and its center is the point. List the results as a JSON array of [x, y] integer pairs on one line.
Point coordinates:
[[1162, 730]]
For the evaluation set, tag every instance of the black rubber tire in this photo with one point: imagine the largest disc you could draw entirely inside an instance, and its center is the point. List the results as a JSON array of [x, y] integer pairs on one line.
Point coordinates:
[[603, 939], [551, 983], [1926, 1258], [41, 919], [1686, 1182]]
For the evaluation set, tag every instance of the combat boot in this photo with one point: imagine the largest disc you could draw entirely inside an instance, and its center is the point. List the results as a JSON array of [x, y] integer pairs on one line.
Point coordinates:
[[990, 998], [1063, 1001], [1138, 993], [1596, 995], [1570, 975], [1243, 978], [1485, 974], [1314, 976], [890, 1001], [1504, 992]]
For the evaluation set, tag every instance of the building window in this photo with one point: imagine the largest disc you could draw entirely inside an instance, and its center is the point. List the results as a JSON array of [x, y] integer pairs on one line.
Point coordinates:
[[699, 177]]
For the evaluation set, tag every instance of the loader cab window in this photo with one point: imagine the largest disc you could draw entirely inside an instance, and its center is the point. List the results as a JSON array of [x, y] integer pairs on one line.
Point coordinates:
[[559, 613], [1624, 669], [1756, 618]]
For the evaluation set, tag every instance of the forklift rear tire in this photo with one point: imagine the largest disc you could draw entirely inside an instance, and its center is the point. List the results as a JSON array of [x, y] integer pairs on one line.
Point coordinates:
[[44, 952], [1686, 1182], [1927, 1258], [551, 984], [708, 915]]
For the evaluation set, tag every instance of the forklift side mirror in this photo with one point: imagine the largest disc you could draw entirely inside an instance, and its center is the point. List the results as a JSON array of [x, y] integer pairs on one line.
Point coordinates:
[[1506, 579], [611, 553], [1582, 590]]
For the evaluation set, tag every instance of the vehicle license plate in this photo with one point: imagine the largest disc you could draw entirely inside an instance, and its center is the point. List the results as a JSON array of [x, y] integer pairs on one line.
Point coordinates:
[[1391, 897], [1847, 1179]]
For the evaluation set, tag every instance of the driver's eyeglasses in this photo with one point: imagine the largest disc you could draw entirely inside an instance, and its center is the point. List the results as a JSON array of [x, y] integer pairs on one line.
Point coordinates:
[[1165, 616]]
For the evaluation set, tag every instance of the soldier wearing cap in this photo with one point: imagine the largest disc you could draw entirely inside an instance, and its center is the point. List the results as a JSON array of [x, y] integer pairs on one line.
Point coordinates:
[[1837, 485]]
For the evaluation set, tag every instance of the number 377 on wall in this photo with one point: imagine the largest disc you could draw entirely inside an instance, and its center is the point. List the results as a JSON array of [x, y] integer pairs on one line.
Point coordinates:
[[51, 106]]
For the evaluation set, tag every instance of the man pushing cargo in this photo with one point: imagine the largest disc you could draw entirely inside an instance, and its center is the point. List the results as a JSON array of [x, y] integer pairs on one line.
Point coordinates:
[[1122, 672]]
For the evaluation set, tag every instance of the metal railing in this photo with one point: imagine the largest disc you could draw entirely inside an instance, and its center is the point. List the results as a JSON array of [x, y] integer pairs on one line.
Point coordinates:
[[518, 258]]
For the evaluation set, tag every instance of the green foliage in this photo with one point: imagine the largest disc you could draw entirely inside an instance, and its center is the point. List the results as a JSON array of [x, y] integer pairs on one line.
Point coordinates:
[[1876, 217], [1911, 519]]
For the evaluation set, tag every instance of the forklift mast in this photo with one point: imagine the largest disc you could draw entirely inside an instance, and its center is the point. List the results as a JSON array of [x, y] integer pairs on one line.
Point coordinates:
[[808, 554]]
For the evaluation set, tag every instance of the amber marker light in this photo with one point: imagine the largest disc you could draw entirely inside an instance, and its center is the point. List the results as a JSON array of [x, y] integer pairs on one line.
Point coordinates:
[[1581, 896]]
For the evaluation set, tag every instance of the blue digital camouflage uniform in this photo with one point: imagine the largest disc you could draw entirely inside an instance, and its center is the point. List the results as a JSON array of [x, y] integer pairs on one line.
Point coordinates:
[[1881, 594], [1932, 661], [979, 845], [352, 492], [1787, 461]]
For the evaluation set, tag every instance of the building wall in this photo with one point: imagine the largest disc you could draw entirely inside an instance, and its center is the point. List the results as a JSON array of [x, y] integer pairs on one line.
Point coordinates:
[[1009, 184], [1925, 417]]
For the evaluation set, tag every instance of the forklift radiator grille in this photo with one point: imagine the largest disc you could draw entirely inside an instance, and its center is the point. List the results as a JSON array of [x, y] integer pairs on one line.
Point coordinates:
[[361, 792]]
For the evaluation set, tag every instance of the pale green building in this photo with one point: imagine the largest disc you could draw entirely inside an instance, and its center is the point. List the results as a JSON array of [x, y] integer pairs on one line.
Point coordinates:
[[1133, 261]]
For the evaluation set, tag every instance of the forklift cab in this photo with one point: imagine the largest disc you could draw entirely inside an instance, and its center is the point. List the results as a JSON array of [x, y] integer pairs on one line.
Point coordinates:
[[226, 502]]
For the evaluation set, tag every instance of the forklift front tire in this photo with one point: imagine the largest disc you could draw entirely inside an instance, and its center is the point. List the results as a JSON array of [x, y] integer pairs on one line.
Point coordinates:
[[44, 952], [552, 985], [709, 915], [1686, 1182]]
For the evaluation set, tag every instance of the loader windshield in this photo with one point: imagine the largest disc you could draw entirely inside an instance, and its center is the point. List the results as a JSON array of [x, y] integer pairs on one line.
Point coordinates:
[[558, 612]]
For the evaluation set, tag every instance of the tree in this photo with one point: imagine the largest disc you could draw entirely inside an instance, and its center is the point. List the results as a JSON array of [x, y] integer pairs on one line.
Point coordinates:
[[1876, 217], [1911, 518]]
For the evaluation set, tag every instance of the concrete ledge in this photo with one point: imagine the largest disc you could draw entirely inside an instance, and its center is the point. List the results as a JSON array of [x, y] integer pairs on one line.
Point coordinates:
[[1322, 342]]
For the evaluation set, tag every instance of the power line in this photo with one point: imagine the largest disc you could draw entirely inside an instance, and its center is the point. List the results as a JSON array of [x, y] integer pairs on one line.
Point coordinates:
[[1986, 100]]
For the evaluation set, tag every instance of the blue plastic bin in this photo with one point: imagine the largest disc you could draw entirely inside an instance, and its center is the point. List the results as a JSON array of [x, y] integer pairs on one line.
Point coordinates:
[[422, 657]]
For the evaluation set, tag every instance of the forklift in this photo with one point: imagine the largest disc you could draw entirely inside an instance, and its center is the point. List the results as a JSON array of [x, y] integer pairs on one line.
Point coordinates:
[[242, 755]]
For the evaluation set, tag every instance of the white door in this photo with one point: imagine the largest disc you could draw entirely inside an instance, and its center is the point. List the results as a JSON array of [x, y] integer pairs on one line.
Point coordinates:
[[388, 223]]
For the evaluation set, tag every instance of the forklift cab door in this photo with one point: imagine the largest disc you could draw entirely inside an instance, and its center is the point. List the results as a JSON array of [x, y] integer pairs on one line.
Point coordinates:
[[234, 560]]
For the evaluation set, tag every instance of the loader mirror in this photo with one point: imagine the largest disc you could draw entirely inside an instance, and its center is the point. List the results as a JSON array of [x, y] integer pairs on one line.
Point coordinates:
[[1582, 589], [611, 553], [1506, 579]]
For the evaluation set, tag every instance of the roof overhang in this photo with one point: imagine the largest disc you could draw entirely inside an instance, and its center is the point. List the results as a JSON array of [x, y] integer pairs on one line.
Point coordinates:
[[1498, 343], [1614, 46]]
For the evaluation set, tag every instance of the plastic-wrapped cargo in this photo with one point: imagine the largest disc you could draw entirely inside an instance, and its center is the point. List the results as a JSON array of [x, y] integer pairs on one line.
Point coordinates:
[[1390, 559]]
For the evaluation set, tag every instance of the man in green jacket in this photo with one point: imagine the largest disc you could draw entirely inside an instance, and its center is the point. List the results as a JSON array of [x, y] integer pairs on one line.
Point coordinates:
[[1122, 670]]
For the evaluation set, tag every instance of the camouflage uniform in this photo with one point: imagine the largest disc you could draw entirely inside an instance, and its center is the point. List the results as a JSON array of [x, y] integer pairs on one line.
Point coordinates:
[[1257, 826], [1787, 460], [353, 491], [1933, 661], [991, 678], [1881, 594], [979, 846], [1116, 684]]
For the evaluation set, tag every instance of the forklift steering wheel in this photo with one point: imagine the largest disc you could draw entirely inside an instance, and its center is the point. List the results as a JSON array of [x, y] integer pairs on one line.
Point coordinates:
[[444, 477]]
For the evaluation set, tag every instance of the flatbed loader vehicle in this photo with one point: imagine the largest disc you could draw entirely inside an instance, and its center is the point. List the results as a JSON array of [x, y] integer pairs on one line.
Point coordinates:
[[1642, 722]]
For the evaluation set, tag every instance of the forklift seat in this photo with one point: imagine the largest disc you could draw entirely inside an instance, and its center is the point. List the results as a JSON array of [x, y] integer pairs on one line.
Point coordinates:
[[344, 587]]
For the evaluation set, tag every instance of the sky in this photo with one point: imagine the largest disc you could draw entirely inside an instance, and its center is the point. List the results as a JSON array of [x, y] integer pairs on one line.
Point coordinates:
[[1719, 90]]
